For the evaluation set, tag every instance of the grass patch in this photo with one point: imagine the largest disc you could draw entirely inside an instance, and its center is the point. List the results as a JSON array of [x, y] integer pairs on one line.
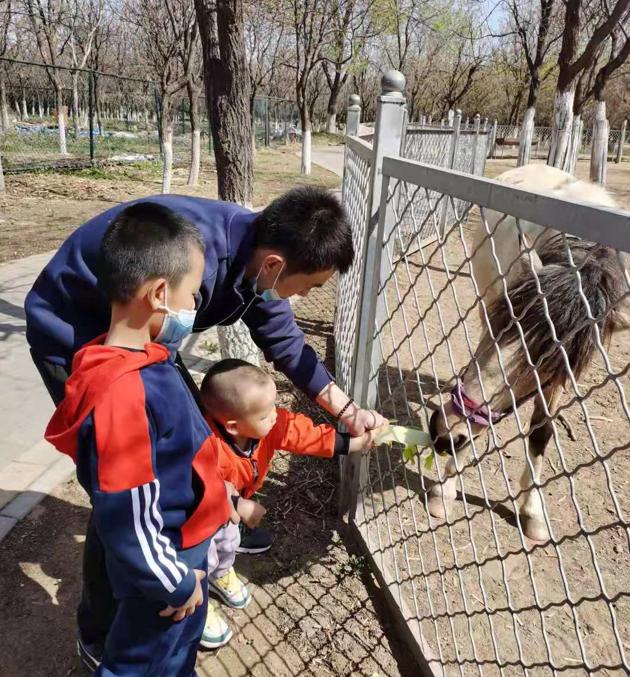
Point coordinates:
[[326, 139]]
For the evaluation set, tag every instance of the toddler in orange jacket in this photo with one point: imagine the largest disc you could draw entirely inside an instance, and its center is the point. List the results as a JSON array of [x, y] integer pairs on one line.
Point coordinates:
[[239, 400]]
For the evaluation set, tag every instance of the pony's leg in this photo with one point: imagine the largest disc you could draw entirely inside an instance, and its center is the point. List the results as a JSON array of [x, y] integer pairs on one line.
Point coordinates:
[[441, 496], [531, 511]]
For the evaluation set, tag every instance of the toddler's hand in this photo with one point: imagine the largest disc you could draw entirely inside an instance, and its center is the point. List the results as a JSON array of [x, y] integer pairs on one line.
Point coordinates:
[[251, 512]]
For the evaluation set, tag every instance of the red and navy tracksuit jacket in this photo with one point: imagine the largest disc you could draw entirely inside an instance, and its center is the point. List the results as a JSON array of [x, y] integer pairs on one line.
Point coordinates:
[[148, 461], [247, 468]]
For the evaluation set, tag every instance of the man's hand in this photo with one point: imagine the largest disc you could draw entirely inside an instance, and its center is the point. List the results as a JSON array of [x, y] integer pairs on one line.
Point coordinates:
[[251, 512], [365, 441], [358, 421], [188, 608]]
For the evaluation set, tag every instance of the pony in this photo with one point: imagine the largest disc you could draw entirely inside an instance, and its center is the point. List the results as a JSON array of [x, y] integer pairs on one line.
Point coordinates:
[[528, 272]]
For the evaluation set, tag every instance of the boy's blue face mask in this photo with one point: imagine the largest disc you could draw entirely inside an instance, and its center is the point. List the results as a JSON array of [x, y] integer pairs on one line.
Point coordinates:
[[176, 326]]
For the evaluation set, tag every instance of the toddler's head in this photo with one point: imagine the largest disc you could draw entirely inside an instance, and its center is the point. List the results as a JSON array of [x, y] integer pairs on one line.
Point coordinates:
[[241, 397]]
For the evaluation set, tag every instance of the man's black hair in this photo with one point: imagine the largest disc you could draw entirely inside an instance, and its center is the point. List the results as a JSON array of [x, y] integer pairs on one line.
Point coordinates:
[[310, 227], [144, 242]]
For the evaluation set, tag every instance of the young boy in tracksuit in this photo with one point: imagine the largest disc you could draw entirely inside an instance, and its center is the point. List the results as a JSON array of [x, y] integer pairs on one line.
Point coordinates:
[[240, 404], [144, 453]]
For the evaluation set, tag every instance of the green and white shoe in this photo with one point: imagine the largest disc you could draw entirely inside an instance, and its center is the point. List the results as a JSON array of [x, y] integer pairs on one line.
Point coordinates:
[[230, 589], [216, 632]]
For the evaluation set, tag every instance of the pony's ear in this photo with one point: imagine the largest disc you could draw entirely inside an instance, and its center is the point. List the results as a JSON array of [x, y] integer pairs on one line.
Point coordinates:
[[528, 261]]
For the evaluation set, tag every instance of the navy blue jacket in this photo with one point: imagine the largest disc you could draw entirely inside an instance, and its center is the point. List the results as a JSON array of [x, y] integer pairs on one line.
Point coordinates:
[[65, 309], [150, 469]]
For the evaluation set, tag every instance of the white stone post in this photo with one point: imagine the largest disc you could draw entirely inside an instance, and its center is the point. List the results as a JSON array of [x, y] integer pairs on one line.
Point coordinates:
[[353, 116]]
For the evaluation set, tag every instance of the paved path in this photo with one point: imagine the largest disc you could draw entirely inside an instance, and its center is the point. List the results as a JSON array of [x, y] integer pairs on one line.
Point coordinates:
[[29, 467], [330, 158]]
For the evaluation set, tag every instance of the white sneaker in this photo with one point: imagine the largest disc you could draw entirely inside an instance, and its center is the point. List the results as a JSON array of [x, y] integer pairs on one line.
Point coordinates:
[[230, 589], [216, 632]]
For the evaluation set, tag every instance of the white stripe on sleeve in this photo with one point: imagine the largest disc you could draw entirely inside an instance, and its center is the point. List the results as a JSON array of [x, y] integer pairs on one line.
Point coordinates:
[[149, 503], [168, 547], [144, 545]]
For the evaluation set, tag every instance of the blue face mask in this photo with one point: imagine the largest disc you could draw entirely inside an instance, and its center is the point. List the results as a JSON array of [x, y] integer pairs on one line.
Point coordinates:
[[176, 326], [270, 294]]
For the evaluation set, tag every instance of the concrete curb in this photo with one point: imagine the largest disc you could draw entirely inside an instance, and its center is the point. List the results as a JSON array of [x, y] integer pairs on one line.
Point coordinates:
[[27, 480]]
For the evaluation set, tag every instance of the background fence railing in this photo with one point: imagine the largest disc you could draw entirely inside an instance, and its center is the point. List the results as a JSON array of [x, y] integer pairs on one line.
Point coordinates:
[[488, 573], [107, 118]]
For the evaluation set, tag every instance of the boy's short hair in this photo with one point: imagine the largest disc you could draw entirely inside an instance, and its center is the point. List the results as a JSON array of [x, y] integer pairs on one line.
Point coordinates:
[[226, 385], [145, 241], [310, 227]]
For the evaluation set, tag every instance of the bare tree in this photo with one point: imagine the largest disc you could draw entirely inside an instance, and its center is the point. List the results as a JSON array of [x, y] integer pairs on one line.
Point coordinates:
[[533, 28], [85, 22], [49, 20], [265, 32], [573, 60], [311, 30], [6, 17], [351, 28], [221, 26], [165, 25]]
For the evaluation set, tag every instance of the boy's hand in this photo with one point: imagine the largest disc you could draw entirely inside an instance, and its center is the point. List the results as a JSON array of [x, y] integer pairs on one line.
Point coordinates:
[[178, 613], [251, 512], [367, 440]]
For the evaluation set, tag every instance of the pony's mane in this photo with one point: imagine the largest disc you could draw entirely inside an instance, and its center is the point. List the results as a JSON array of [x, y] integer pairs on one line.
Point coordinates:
[[559, 310]]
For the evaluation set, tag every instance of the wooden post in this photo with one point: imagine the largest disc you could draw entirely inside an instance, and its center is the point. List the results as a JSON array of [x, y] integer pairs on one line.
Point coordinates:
[[622, 140]]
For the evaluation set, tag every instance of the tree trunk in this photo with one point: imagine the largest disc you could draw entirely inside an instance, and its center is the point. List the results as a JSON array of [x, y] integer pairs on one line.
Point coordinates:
[[235, 342], [24, 107], [40, 107], [561, 128], [167, 147], [61, 121], [2, 186], [306, 144], [75, 104], [4, 108], [575, 144], [599, 144], [527, 134], [195, 134], [228, 96], [331, 123]]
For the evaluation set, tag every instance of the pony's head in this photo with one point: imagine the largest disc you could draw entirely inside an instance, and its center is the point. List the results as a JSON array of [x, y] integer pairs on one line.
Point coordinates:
[[461, 419]]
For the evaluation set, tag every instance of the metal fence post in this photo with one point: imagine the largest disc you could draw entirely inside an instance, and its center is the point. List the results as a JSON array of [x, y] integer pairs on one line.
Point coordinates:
[[451, 163], [622, 140], [91, 113], [391, 116], [353, 116]]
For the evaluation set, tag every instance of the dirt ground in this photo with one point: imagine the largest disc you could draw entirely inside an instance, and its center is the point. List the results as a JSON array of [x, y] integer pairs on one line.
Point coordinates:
[[39, 210], [484, 595], [316, 610]]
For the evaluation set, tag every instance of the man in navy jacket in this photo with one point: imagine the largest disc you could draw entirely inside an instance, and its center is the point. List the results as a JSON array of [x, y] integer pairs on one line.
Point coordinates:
[[254, 262]]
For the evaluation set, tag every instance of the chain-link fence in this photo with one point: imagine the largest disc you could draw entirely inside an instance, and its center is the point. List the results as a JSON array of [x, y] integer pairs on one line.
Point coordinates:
[[452, 147], [510, 554], [65, 118]]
